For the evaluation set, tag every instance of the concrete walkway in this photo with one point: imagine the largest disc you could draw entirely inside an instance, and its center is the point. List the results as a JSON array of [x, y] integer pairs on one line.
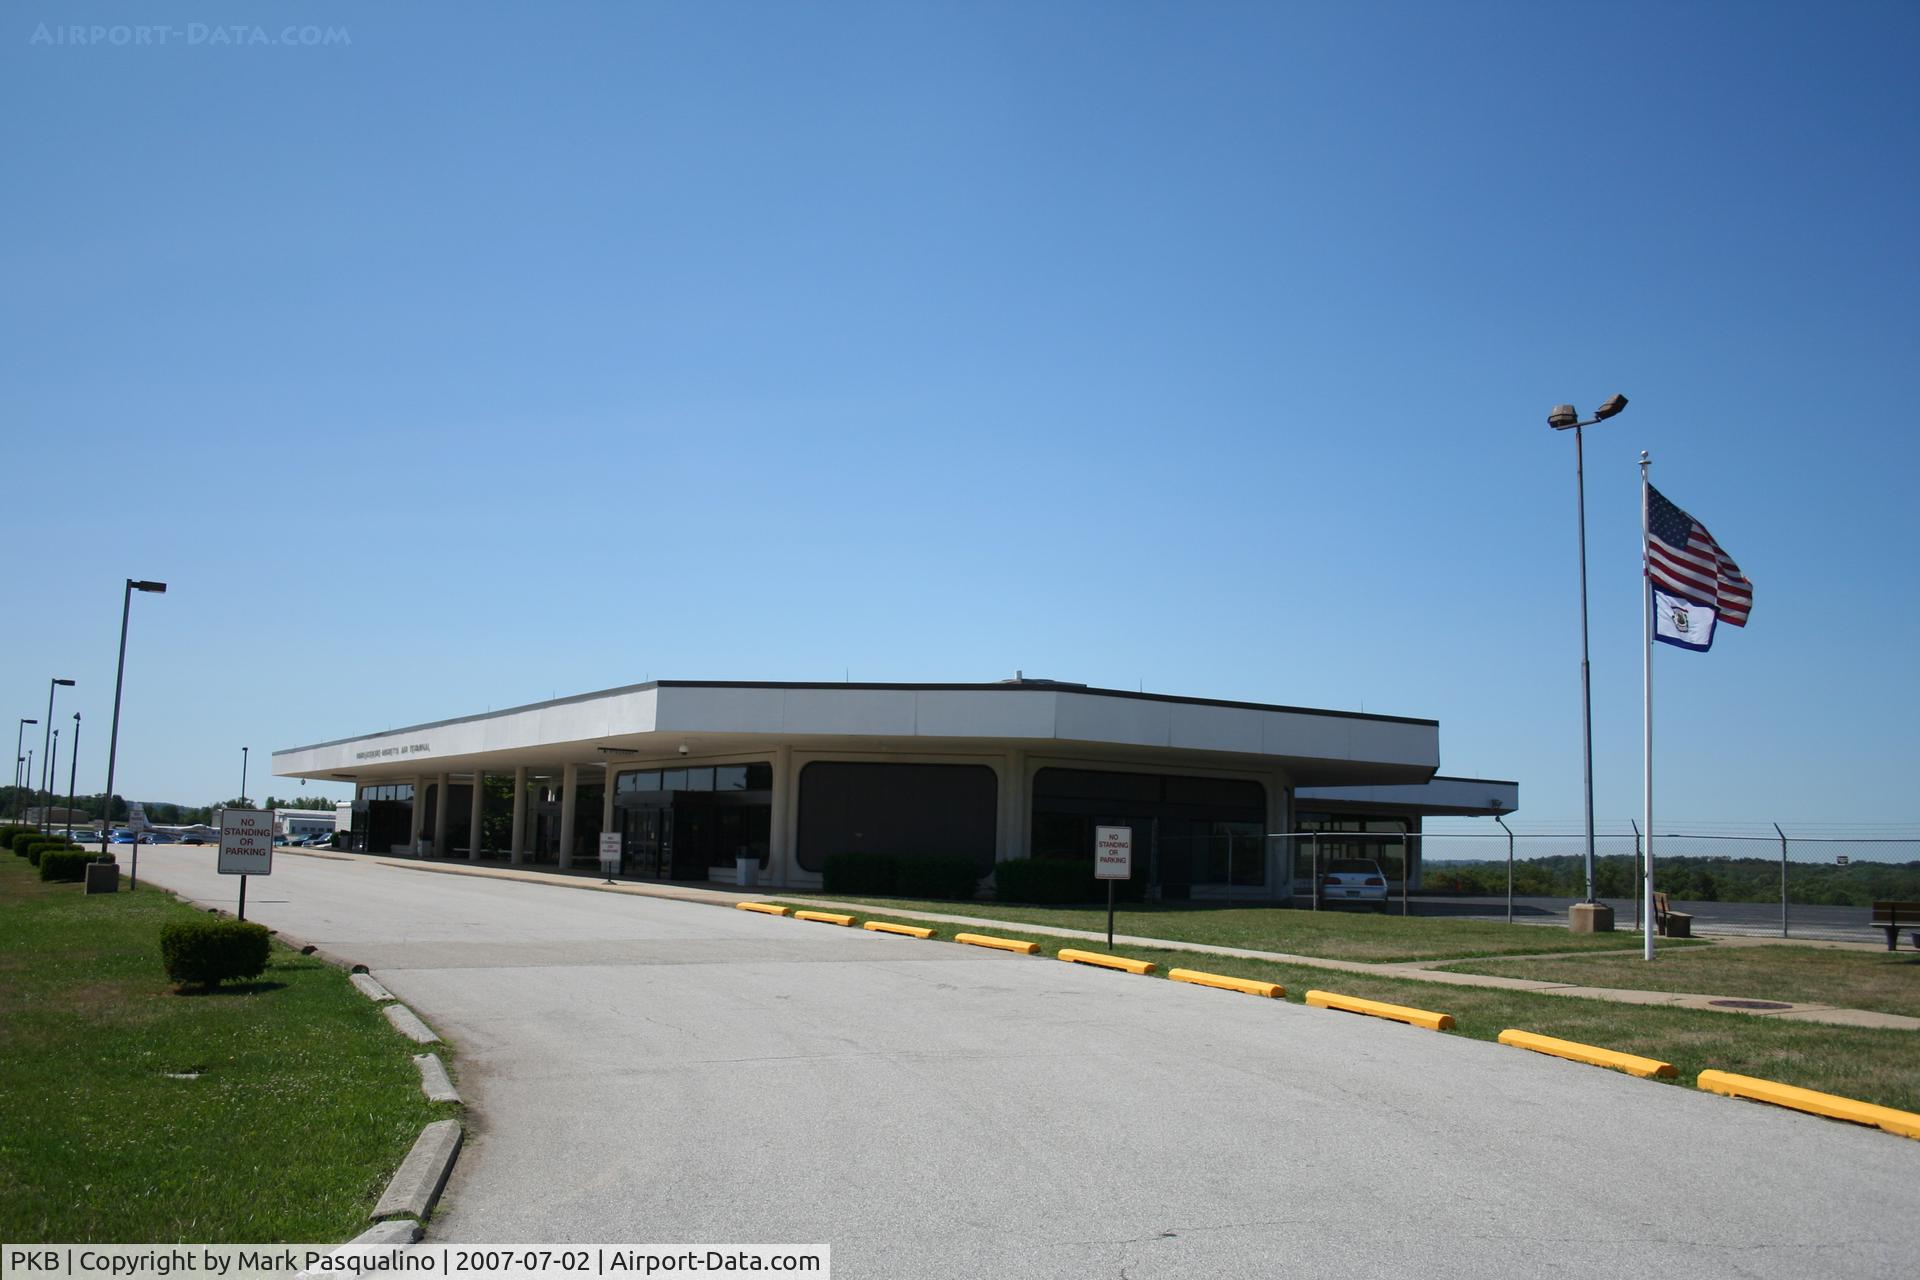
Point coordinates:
[[1413, 970]]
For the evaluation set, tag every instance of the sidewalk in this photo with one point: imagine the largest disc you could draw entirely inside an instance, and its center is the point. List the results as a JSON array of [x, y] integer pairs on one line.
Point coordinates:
[[1414, 970]]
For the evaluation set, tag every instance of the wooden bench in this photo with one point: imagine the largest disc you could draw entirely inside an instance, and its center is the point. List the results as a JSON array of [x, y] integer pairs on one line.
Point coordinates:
[[1670, 924], [1895, 916]]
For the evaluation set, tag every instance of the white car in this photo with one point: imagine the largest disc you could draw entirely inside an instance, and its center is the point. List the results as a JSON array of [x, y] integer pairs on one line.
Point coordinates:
[[1354, 880]]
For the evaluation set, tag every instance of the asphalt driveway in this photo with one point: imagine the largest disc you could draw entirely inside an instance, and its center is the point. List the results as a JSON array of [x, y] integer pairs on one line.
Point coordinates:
[[650, 1071]]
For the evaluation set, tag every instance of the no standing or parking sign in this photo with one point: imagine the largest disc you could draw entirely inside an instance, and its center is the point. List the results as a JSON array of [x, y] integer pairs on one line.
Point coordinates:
[[246, 842], [1113, 853]]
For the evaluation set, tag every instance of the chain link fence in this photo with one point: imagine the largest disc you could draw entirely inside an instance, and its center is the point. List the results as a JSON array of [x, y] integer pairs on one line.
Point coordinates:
[[1788, 885]]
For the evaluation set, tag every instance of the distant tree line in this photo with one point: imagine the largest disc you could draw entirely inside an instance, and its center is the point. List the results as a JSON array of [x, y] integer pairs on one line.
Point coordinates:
[[1686, 878], [17, 800]]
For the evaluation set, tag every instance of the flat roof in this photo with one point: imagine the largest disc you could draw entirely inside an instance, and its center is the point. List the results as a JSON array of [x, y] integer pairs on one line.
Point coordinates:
[[996, 686], [662, 717]]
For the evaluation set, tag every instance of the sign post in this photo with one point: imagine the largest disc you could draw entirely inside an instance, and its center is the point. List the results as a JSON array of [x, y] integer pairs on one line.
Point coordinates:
[[609, 853], [246, 846], [1112, 860], [136, 827]]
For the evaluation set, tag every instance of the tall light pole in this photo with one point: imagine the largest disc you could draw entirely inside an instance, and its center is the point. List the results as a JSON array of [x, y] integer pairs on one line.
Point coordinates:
[[46, 755], [113, 740], [53, 769], [20, 772], [1597, 917], [243, 775], [73, 772]]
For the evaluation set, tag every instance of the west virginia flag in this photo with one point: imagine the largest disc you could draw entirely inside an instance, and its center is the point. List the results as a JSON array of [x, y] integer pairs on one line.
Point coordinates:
[[1680, 621]]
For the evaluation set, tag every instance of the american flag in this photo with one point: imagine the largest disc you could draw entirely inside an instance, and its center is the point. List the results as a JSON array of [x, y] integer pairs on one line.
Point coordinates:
[[1683, 558]]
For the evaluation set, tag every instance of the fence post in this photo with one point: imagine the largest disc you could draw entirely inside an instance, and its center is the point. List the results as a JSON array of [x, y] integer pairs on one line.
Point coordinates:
[[1509, 830], [1406, 870], [1638, 866], [1783, 879]]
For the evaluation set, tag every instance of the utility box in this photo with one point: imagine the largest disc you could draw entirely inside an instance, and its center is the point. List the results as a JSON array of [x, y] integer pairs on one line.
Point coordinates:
[[103, 877]]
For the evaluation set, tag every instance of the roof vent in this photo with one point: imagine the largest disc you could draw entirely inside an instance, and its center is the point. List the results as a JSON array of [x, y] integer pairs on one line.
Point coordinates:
[[1021, 677]]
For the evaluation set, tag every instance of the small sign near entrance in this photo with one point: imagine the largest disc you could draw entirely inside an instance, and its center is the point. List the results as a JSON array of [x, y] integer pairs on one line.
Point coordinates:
[[1113, 853], [610, 846], [246, 842], [1839, 859]]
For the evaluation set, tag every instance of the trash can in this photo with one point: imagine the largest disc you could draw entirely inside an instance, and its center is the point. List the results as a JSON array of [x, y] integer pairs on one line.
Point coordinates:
[[747, 870]]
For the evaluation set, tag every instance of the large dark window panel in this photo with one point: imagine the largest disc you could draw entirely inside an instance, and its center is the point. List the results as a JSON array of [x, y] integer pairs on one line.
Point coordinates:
[[905, 809], [1183, 827]]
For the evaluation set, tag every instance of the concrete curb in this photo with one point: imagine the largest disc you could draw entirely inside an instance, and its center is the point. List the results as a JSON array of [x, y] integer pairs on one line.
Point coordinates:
[[370, 988], [1015, 945], [423, 1173], [1904, 1123], [1593, 1055], [395, 1231], [433, 1078], [1381, 1009], [1246, 986], [408, 1024], [903, 930]]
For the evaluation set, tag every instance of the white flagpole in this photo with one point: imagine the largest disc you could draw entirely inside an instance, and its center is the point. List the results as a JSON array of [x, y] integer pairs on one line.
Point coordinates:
[[1646, 722]]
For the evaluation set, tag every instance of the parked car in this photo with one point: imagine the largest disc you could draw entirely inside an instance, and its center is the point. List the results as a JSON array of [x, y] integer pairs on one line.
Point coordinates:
[[159, 837], [120, 837], [1354, 880]]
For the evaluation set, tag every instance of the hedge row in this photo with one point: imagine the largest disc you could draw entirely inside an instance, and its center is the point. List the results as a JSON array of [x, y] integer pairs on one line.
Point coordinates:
[[925, 876], [33, 847], [1055, 881]]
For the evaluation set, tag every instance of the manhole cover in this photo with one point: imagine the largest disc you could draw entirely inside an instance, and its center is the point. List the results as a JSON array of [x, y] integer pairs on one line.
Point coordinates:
[[1748, 1004]]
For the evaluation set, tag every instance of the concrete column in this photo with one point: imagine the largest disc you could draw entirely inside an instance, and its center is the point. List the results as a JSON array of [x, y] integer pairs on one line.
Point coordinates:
[[419, 816], [569, 785], [781, 824], [1016, 824], [518, 853], [606, 801], [441, 787], [476, 811]]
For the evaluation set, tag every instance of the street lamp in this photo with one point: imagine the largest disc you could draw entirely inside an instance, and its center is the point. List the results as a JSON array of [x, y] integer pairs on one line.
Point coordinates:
[[21, 775], [73, 772], [45, 755], [243, 776], [113, 740], [1600, 918]]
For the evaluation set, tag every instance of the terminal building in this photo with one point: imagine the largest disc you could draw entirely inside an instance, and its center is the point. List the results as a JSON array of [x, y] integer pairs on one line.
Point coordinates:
[[695, 776]]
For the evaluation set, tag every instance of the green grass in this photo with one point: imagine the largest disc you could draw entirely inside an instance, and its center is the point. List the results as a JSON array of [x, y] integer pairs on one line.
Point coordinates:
[[1888, 981], [306, 1103], [1874, 1066], [1327, 935]]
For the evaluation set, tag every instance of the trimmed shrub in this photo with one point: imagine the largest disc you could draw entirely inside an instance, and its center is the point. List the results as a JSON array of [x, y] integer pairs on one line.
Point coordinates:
[[20, 836], [207, 952], [8, 832], [936, 876], [64, 864], [860, 873]]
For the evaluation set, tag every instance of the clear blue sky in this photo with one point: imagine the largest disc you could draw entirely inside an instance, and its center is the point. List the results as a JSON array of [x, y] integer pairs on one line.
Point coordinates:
[[493, 354]]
